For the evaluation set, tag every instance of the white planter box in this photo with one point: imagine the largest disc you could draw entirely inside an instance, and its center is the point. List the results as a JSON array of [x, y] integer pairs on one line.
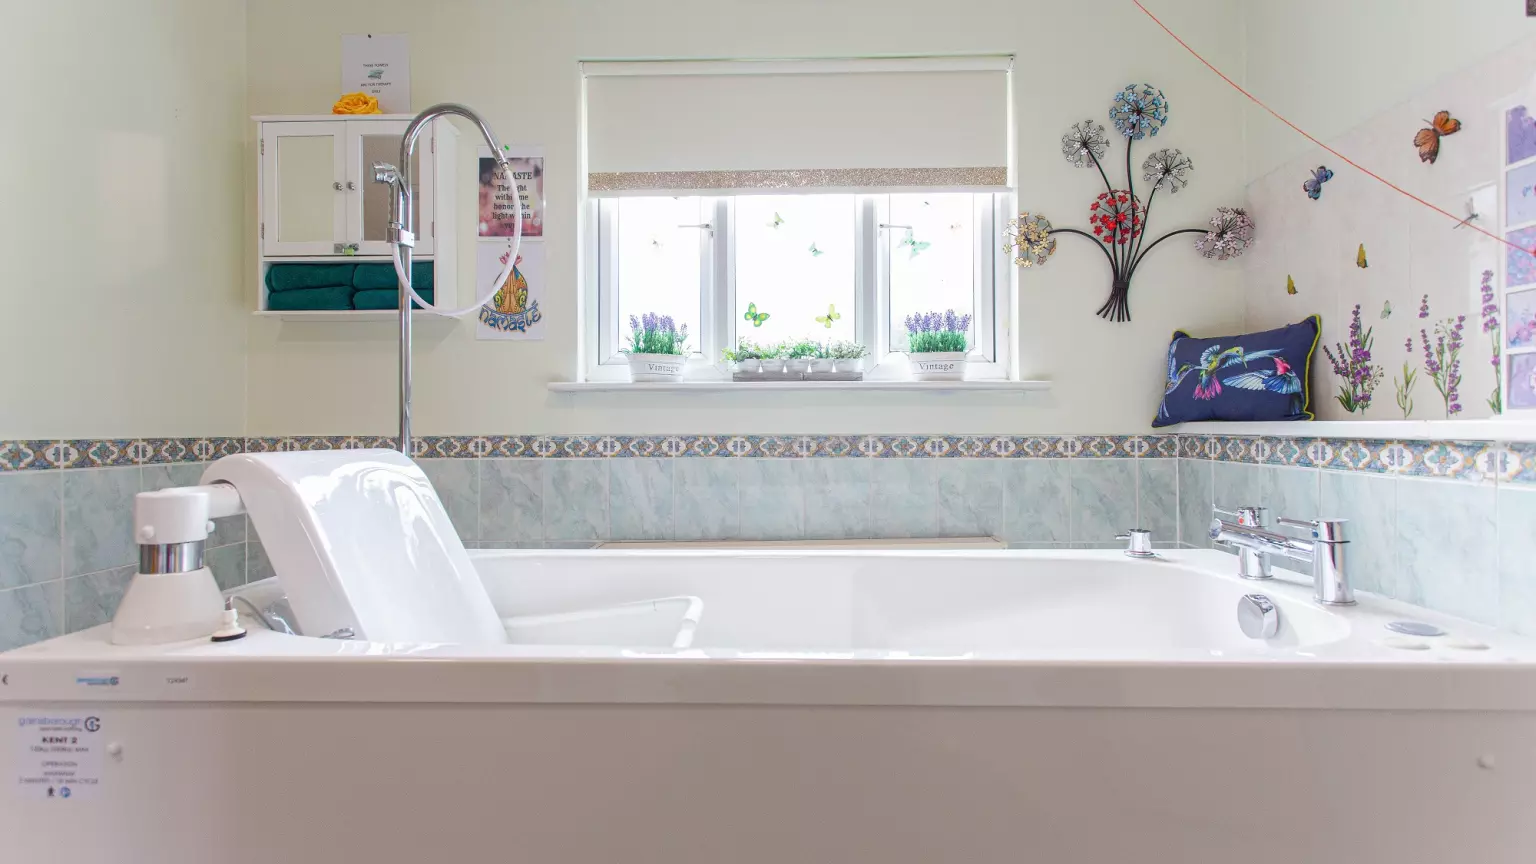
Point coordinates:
[[798, 364], [753, 365], [822, 364], [938, 365], [656, 367], [847, 365], [773, 364]]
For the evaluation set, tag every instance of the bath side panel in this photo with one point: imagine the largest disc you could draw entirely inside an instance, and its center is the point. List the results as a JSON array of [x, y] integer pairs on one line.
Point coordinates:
[[765, 785]]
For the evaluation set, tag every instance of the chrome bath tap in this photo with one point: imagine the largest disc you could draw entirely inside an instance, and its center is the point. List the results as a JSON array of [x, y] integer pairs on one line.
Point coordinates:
[[1250, 563], [1325, 552]]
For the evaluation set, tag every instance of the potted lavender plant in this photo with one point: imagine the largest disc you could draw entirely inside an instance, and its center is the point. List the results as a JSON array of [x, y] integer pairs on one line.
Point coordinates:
[[658, 348], [936, 345]]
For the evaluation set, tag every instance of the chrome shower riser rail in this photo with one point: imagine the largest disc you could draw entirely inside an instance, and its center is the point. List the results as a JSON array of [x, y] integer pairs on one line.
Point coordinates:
[[402, 232]]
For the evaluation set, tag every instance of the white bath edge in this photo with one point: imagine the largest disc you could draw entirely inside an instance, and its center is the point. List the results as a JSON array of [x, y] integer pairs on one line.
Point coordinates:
[[1358, 673]]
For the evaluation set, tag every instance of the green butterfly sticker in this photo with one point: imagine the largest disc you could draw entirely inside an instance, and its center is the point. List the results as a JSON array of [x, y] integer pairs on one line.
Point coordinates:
[[913, 243], [816, 253], [828, 319], [757, 318], [1386, 310], [777, 220]]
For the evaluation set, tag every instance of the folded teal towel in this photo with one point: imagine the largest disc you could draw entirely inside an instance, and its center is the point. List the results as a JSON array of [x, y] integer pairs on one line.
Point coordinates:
[[387, 298], [289, 277], [310, 299], [372, 276]]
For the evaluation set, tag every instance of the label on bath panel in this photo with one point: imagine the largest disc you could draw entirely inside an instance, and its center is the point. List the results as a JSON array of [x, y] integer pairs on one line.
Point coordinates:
[[59, 756]]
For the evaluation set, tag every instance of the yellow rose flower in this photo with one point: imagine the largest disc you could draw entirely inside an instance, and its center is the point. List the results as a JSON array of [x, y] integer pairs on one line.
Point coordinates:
[[356, 103]]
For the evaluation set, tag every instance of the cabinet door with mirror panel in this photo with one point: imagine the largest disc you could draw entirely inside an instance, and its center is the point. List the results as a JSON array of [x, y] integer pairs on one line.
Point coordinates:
[[318, 197]]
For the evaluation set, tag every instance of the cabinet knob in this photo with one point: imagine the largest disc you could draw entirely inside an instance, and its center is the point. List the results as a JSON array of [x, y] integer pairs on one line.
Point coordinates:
[[336, 185], [351, 186]]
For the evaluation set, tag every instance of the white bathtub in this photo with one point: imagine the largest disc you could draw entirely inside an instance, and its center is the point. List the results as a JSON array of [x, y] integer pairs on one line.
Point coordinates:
[[808, 706]]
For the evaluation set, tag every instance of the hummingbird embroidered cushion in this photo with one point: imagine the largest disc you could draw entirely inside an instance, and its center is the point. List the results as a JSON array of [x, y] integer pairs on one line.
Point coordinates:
[[1250, 378]]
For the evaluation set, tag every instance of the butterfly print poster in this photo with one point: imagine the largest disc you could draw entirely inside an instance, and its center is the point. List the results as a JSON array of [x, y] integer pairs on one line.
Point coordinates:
[[1520, 134]]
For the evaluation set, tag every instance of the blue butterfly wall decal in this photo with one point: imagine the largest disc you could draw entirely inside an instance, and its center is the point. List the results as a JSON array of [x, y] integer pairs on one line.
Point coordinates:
[[1314, 187]]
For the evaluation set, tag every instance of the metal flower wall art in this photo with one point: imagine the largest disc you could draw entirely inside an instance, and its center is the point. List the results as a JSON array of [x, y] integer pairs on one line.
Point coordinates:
[[1118, 218]]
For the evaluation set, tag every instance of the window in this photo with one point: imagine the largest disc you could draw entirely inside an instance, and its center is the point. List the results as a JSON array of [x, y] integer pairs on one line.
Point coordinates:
[[767, 267], [778, 200]]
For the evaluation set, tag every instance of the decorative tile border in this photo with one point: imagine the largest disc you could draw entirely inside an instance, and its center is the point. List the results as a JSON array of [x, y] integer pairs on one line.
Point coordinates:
[[1474, 461], [103, 453]]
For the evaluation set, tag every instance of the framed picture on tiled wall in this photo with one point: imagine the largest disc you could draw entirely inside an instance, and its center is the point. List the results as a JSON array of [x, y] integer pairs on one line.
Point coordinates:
[[1520, 320], [1520, 196], [1522, 382]]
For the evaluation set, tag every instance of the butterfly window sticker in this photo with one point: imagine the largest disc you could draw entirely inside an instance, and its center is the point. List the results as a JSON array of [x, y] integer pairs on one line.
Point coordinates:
[[832, 317], [1428, 139], [1314, 187], [757, 318], [1360, 260], [1290, 285], [913, 244]]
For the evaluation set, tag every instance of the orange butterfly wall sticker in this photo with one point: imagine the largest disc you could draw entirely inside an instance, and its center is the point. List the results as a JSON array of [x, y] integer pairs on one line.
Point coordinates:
[[1428, 139]]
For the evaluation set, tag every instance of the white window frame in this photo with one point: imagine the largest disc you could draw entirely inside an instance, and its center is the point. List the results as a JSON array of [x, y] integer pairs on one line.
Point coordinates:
[[995, 281]]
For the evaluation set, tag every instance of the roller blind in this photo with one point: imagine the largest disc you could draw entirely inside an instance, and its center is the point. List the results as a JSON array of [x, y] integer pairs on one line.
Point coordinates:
[[814, 125]]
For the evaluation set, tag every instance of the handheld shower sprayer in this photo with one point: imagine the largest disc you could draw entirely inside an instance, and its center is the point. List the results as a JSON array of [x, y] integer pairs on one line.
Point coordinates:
[[402, 239]]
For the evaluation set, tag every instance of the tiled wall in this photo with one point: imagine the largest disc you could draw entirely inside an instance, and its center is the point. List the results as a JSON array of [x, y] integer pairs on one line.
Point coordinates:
[[1446, 525], [1420, 270], [1443, 524]]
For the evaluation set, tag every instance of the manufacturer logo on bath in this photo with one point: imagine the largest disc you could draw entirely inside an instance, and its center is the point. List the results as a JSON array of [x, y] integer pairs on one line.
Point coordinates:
[[93, 724], [98, 680]]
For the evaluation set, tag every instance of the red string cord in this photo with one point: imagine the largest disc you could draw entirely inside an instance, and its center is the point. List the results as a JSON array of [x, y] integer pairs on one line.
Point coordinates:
[[1303, 133]]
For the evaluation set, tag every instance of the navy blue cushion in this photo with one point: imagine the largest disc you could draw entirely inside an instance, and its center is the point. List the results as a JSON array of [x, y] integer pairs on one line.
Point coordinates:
[[1254, 377]]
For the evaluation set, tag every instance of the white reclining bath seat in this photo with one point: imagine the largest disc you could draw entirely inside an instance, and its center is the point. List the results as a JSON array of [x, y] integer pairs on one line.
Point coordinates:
[[360, 541]]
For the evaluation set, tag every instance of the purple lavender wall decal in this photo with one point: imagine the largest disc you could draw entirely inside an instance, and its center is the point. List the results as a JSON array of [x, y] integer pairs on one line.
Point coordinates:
[[1352, 363], [1405, 384], [1490, 313], [1442, 360]]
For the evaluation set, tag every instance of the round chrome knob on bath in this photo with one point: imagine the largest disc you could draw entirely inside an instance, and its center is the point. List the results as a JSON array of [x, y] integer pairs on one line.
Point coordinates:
[[1138, 543], [336, 185], [1258, 616]]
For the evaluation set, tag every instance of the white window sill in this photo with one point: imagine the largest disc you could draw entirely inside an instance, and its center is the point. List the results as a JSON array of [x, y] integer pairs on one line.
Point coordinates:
[[985, 386], [1501, 429]]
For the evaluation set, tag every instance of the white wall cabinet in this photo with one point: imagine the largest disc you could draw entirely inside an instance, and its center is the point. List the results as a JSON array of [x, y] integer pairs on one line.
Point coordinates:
[[317, 200]]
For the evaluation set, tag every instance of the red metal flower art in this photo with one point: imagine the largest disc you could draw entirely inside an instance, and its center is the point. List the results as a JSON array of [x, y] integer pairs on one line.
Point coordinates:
[[1116, 217]]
